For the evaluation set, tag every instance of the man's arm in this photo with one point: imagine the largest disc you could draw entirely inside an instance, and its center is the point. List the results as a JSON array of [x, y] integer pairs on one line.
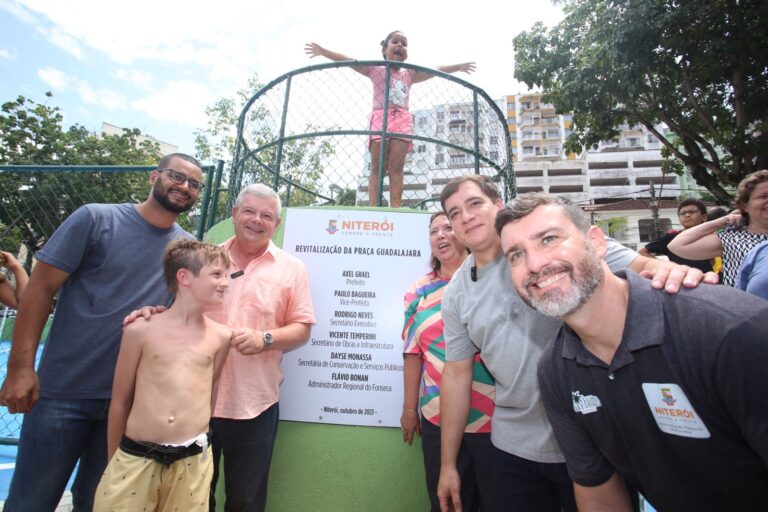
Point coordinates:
[[643, 251], [251, 341], [664, 274], [455, 394], [669, 275], [739, 377], [612, 496], [21, 388], [123, 387]]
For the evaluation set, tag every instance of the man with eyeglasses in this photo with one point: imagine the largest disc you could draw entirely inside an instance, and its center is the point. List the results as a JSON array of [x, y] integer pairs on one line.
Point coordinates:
[[691, 212], [107, 261]]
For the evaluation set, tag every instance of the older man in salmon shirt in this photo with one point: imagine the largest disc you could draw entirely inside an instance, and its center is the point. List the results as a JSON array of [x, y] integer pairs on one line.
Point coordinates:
[[269, 308]]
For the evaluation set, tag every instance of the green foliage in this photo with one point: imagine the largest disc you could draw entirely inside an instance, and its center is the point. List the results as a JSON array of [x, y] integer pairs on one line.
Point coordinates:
[[698, 67], [615, 227], [347, 198], [33, 204], [301, 159]]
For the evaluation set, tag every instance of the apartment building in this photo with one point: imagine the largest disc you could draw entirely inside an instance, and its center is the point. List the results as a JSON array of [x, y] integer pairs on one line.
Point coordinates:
[[165, 147], [616, 170], [450, 130]]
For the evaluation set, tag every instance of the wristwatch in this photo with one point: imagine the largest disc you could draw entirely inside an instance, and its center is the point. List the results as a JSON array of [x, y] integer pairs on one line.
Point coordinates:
[[267, 339]]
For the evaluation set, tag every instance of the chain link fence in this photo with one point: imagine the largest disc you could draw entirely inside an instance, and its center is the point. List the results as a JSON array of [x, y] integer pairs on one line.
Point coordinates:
[[35, 200], [307, 133]]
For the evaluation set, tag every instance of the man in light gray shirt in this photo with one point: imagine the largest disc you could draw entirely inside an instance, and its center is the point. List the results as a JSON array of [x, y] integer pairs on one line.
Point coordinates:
[[482, 313]]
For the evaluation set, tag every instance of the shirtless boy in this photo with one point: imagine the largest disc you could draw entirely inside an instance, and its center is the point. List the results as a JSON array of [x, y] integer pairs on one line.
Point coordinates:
[[161, 396]]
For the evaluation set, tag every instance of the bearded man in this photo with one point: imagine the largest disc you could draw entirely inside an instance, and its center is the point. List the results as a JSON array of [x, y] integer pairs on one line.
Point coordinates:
[[664, 392]]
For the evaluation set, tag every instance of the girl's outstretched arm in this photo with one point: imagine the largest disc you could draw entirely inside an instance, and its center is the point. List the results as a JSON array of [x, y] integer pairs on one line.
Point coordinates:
[[315, 50], [466, 67]]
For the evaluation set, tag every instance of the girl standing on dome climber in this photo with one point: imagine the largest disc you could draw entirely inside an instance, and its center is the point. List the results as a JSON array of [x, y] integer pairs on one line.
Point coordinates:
[[399, 120]]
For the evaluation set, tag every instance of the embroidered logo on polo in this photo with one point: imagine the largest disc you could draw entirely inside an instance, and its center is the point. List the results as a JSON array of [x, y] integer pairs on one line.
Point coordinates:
[[585, 404], [673, 412], [666, 397]]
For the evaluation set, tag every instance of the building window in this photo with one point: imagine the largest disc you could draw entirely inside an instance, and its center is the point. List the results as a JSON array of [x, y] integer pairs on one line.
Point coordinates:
[[645, 228], [454, 115], [440, 116], [652, 139], [422, 121], [439, 158], [494, 155], [439, 130], [493, 140], [633, 142], [458, 159], [421, 148]]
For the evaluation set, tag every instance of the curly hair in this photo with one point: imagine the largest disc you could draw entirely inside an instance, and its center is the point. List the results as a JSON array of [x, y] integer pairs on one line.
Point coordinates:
[[745, 188]]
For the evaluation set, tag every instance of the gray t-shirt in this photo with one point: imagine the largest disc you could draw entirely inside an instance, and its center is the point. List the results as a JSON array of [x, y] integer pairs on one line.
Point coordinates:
[[488, 316], [114, 258]]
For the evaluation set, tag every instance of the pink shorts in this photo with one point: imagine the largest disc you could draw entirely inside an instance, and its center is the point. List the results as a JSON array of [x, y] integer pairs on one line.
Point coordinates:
[[398, 121]]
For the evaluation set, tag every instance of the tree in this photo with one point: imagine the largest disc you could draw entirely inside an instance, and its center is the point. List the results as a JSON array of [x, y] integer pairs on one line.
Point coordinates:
[[698, 67], [33, 204], [301, 159], [347, 198]]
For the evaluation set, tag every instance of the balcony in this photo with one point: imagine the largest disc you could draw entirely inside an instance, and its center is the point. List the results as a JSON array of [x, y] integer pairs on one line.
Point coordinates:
[[567, 181]]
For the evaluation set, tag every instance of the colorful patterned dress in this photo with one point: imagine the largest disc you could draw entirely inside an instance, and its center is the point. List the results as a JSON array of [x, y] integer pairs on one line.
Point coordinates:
[[423, 336]]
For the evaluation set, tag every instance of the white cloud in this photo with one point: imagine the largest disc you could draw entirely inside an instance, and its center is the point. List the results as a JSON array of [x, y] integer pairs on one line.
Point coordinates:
[[64, 42], [19, 11], [105, 98], [57, 80], [169, 59], [136, 77], [231, 39], [8, 54], [182, 102], [61, 82]]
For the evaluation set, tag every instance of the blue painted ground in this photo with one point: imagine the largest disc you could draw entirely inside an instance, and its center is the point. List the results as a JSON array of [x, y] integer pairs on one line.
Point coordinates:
[[9, 428]]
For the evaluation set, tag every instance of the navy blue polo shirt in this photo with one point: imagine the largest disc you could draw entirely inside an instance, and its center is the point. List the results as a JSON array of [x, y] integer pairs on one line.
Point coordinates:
[[682, 410]]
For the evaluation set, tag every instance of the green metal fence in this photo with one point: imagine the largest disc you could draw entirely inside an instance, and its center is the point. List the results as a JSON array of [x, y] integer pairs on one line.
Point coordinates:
[[35, 200], [306, 133]]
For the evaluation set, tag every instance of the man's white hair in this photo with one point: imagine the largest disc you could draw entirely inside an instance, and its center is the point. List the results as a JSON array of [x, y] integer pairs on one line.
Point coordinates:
[[262, 191]]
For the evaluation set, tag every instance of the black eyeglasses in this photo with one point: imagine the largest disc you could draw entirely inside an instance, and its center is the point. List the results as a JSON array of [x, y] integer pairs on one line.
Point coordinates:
[[179, 178]]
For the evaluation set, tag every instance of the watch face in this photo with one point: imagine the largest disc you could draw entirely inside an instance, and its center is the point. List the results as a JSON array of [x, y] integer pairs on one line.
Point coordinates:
[[267, 338]]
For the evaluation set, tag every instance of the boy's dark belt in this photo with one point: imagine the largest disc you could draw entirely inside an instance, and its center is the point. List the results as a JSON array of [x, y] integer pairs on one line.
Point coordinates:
[[165, 455]]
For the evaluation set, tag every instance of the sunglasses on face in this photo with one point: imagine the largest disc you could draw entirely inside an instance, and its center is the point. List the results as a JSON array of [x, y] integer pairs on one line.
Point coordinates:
[[179, 178]]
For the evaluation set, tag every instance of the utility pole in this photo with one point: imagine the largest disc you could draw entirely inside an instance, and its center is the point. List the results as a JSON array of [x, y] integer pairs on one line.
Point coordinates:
[[654, 213]]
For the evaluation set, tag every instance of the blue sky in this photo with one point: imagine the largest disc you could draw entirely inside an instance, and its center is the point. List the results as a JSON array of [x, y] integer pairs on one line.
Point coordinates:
[[156, 65]]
